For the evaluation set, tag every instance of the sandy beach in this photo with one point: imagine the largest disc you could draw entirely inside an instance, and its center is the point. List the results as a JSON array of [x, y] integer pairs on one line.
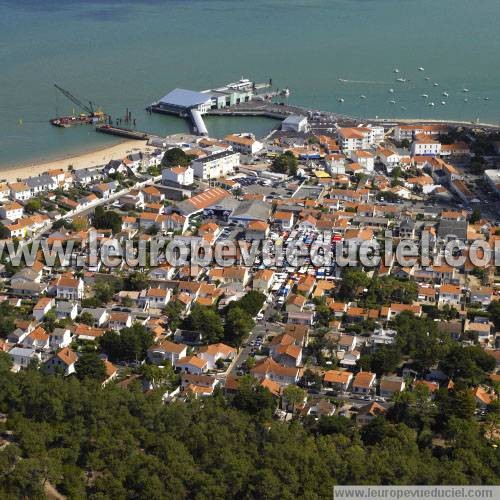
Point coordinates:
[[89, 159]]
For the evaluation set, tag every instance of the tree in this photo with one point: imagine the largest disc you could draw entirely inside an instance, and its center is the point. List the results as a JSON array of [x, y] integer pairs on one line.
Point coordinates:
[[285, 163], [107, 219], [176, 157], [103, 292], [50, 320], [254, 399], [86, 318], [251, 302], [4, 232], [136, 281], [384, 360], [237, 326], [475, 216], [158, 376], [293, 395], [470, 363], [33, 205], [353, 279], [131, 344], [206, 321], [8, 315], [173, 311], [90, 365], [494, 311], [323, 312]]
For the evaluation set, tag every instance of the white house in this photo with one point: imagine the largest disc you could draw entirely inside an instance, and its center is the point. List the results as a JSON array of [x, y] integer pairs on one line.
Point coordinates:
[[363, 382], [335, 163], [19, 191], [192, 364], [167, 351], [244, 143], [11, 211], [388, 158], [119, 320], [155, 298], [42, 307], [41, 184], [4, 192], [450, 294], [284, 219], [212, 353], [21, 357], [66, 310], [64, 361], [184, 176], [364, 158], [69, 288], [60, 337], [425, 147]]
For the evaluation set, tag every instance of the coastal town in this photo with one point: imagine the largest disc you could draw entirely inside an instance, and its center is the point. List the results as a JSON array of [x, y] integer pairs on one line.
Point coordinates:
[[322, 340]]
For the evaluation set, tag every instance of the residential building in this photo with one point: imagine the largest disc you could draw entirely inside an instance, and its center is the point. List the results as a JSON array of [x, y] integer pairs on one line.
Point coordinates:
[[270, 369], [212, 353], [182, 176], [244, 143], [11, 211], [192, 364], [167, 351], [338, 379], [391, 385], [216, 165], [363, 382], [368, 412]]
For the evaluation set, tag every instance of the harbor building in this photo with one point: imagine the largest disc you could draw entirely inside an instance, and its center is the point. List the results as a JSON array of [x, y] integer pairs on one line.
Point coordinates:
[[294, 123], [192, 104]]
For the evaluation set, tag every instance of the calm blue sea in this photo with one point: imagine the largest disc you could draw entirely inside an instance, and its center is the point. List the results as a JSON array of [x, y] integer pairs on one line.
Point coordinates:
[[125, 54]]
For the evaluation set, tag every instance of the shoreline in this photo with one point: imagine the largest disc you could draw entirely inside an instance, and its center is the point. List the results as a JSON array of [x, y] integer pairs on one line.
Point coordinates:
[[91, 158], [98, 156]]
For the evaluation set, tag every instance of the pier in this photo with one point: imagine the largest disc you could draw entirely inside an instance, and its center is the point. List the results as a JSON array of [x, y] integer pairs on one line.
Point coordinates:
[[123, 132]]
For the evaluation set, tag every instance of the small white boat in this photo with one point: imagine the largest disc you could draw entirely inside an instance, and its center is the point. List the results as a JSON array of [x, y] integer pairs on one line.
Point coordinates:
[[425, 96], [466, 100], [427, 78], [402, 80], [486, 98], [445, 94], [431, 104], [443, 102], [392, 102], [436, 84], [466, 90], [340, 99], [396, 70], [391, 91], [421, 69], [362, 96], [403, 108]]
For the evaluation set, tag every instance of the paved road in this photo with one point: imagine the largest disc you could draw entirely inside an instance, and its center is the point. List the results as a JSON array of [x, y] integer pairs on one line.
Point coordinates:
[[260, 329]]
